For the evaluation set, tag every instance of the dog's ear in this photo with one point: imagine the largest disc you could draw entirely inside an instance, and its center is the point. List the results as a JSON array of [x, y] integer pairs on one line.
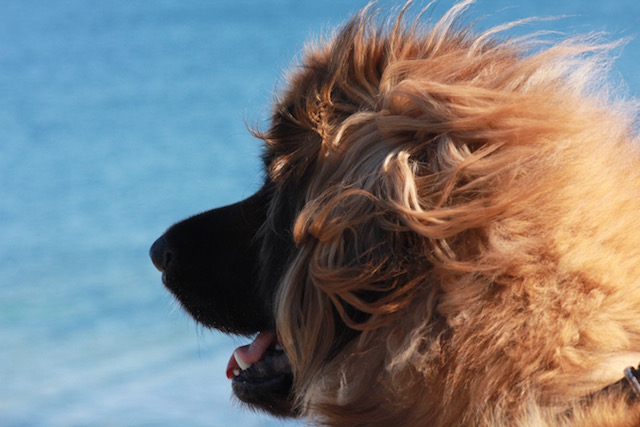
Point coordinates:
[[359, 251]]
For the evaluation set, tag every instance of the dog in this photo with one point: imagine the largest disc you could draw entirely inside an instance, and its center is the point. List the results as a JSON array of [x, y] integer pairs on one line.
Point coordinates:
[[448, 234]]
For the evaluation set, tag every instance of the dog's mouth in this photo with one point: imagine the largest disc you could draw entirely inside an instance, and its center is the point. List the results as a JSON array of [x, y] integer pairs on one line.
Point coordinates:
[[262, 369]]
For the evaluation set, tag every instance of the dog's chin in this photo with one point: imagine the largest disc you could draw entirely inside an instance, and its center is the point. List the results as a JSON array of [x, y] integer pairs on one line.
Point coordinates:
[[261, 375], [266, 384]]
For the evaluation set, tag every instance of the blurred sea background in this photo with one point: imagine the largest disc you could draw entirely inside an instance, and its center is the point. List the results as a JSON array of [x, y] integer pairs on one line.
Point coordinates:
[[117, 119]]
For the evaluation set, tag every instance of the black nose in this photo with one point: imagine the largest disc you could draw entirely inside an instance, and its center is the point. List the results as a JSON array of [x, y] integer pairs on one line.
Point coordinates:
[[160, 254]]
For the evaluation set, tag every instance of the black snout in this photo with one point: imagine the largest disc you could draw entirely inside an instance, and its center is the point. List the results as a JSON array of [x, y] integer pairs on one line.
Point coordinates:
[[160, 254], [210, 262]]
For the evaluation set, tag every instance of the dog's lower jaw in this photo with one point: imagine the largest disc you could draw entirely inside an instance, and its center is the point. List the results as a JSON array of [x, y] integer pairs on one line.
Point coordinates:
[[261, 375], [272, 395], [267, 385]]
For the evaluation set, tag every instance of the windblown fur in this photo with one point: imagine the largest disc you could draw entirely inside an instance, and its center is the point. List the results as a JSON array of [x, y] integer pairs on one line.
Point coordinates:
[[454, 219], [471, 206]]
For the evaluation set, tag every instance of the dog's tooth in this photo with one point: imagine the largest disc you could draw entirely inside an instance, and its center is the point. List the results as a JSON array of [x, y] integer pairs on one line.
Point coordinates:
[[278, 347], [236, 372], [243, 365]]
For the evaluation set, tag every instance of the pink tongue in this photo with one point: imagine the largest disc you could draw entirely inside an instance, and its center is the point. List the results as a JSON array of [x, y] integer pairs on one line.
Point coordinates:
[[250, 353]]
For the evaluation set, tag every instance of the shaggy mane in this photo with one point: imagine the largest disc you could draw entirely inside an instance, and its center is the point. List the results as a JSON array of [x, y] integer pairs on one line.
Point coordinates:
[[466, 204]]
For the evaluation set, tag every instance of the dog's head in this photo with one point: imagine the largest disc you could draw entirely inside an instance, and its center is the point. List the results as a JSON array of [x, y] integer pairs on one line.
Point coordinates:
[[388, 154]]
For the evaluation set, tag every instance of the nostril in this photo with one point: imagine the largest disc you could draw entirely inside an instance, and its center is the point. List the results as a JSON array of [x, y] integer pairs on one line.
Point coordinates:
[[160, 254]]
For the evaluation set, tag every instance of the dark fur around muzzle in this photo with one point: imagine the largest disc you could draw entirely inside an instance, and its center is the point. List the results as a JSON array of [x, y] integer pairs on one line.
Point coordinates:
[[209, 262]]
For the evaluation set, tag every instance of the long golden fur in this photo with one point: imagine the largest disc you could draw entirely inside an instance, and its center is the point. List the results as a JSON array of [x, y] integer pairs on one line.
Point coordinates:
[[448, 234], [469, 204]]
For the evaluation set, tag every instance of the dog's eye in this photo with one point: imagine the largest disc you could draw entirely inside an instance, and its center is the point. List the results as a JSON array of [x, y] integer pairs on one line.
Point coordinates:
[[290, 111]]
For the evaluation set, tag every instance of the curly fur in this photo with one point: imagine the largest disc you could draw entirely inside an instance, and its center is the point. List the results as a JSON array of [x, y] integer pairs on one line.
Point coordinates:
[[465, 213]]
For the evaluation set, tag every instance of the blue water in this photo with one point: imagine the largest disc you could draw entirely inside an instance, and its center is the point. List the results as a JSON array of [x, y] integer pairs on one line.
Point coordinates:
[[116, 120]]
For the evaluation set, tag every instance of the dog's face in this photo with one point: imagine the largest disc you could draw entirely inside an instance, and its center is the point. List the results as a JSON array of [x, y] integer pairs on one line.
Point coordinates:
[[418, 222]]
